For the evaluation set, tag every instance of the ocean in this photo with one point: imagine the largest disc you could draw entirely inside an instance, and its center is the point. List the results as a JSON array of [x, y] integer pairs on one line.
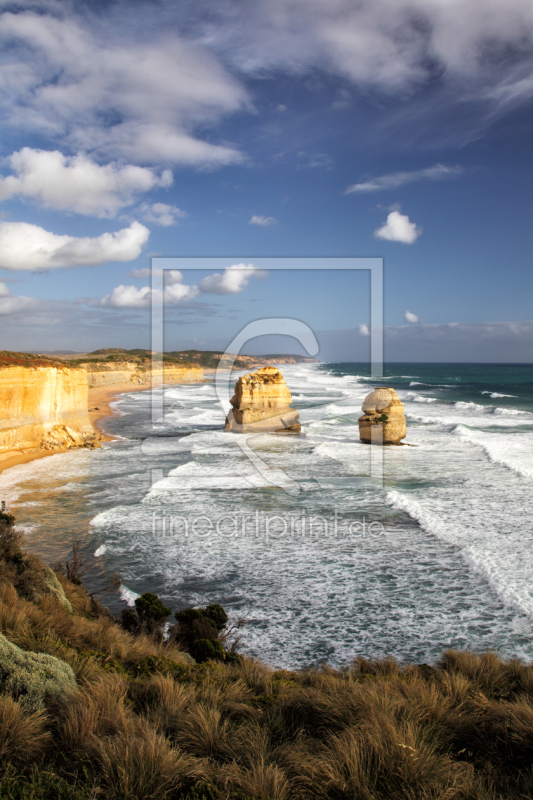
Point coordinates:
[[323, 558]]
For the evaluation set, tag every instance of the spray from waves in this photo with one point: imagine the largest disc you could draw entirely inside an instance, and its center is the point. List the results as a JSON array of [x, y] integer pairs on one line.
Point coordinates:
[[460, 404], [512, 412], [483, 557], [127, 595], [497, 394], [100, 550], [513, 452], [418, 383]]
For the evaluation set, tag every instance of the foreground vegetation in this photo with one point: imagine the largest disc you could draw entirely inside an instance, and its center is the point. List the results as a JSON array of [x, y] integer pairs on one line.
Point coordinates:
[[133, 716]]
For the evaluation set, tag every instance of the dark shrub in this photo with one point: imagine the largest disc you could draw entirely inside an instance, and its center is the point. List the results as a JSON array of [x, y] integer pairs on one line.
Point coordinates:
[[198, 631], [150, 607], [148, 617]]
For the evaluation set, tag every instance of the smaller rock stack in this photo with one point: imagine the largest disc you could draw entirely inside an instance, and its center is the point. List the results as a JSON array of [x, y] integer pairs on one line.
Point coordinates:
[[384, 420], [261, 403]]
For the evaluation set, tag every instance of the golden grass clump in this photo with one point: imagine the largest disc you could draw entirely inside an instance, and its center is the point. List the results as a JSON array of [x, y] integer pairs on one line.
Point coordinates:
[[142, 722]]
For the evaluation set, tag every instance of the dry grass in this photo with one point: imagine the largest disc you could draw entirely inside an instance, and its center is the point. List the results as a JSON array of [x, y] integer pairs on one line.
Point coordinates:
[[462, 730]]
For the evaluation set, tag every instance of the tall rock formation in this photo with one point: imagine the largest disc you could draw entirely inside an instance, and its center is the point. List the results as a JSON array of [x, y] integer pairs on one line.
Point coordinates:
[[261, 403], [43, 407], [384, 420]]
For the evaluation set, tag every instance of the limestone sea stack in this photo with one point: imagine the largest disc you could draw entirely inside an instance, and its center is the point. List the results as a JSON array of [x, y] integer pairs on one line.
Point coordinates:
[[261, 403], [384, 420]]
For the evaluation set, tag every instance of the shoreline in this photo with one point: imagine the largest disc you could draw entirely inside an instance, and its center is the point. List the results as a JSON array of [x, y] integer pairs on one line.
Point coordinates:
[[99, 408]]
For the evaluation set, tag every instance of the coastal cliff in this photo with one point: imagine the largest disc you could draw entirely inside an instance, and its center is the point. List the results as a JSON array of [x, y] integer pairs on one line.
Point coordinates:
[[43, 405], [113, 374]]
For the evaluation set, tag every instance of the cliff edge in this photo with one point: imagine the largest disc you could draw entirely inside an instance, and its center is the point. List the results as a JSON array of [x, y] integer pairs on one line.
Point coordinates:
[[43, 405]]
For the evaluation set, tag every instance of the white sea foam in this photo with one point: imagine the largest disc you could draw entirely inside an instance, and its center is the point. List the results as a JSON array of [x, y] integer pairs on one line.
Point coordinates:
[[497, 394], [514, 451], [100, 550], [128, 596], [452, 567]]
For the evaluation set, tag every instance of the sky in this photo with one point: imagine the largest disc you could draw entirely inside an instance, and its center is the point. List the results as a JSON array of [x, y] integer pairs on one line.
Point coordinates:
[[242, 130]]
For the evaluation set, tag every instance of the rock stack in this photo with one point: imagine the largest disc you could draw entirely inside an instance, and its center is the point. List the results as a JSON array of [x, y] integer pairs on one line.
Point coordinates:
[[261, 403], [383, 421]]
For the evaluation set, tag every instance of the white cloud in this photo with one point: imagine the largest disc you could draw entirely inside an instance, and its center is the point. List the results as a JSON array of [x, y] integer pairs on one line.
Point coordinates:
[[131, 297], [233, 280], [127, 297], [29, 247], [4, 290], [98, 89], [391, 45], [77, 183], [409, 317], [259, 219], [364, 329], [398, 228], [14, 305], [161, 213], [170, 275], [395, 179], [177, 292]]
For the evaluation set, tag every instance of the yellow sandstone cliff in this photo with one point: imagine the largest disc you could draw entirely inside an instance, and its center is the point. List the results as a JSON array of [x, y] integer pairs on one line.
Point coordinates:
[[261, 403], [43, 407], [44, 400], [120, 372]]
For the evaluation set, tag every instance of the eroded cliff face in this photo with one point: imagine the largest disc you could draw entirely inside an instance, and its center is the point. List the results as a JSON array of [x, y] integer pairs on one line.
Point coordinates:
[[43, 408], [102, 374], [261, 403]]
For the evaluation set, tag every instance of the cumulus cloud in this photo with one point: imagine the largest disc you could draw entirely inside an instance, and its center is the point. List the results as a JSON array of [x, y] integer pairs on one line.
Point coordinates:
[[364, 329], [233, 280], [264, 222], [398, 228], [395, 179], [68, 78], [4, 290], [28, 247], [76, 183], [409, 317], [161, 213], [127, 297], [131, 297]]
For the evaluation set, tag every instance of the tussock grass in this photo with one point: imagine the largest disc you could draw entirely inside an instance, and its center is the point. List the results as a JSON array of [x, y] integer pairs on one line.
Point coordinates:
[[143, 722]]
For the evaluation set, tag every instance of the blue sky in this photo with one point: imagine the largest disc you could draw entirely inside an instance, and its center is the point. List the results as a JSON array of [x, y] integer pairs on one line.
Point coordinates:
[[242, 130]]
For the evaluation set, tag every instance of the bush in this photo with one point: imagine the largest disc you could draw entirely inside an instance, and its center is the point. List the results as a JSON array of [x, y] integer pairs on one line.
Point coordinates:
[[198, 630], [33, 677], [10, 537], [149, 607], [148, 616]]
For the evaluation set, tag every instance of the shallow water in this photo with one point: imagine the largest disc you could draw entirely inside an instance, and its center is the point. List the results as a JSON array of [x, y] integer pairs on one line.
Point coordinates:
[[322, 560]]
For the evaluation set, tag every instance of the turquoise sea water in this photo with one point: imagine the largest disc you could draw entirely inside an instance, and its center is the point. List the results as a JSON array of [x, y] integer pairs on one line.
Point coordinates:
[[325, 555]]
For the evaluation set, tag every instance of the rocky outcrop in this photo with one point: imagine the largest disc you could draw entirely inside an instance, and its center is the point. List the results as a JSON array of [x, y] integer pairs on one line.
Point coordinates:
[[384, 420], [43, 407], [33, 678], [114, 374], [261, 403]]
